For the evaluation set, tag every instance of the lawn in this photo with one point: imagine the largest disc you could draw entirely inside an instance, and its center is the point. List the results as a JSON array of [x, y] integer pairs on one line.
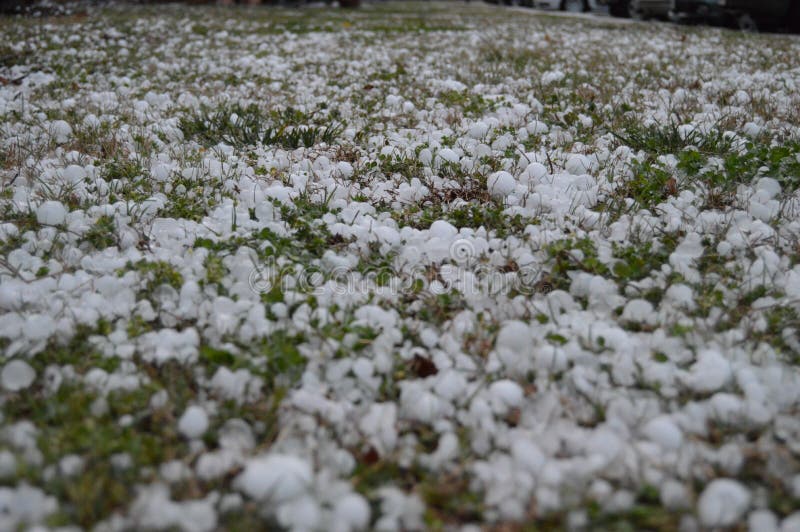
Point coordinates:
[[412, 266]]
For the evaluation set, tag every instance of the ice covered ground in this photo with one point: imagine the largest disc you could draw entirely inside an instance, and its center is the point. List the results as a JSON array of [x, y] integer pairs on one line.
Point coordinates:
[[333, 270]]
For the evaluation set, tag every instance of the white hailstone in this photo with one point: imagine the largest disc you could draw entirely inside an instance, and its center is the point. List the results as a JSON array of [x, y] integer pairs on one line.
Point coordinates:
[[577, 164], [663, 431], [684, 130], [275, 477], [51, 213], [375, 317], [501, 184], [722, 503], [514, 336], [92, 121], [537, 127], [447, 155], [74, 173], [681, 295], [769, 186], [450, 384], [159, 399], [535, 171], [442, 229], [302, 513], [174, 471], [39, 327], [265, 211], [120, 461], [17, 375], [527, 455], [160, 172], [321, 164], [741, 97], [8, 464], [690, 249], [791, 523], [344, 169], [429, 338], [552, 76], [425, 157], [639, 311], [726, 407], [674, 495], [762, 521], [620, 501], [505, 394], [99, 407], [61, 131], [237, 435], [24, 504], [351, 512], [379, 425], [478, 130], [153, 510], [194, 422], [71, 465], [421, 405], [393, 100], [710, 373], [446, 449], [752, 129], [387, 235], [230, 502]]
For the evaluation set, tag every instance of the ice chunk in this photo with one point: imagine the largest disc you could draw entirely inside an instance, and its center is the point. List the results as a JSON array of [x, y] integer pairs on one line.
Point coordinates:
[[710, 373], [505, 394], [194, 422], [514, 336], [154, 510], [722, 503], [663, 431], [501, 184], [17, 375], [275, 477], [61, 131], [351, 512], [51, 213], [762, 521]]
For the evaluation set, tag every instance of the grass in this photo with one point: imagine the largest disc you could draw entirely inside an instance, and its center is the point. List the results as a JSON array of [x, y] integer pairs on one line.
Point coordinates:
[[241, 127], [353, 61], [709, 162], [472, 215]]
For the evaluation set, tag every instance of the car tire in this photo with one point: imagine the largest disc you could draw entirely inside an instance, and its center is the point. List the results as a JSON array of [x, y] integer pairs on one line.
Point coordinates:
[[618, 9], [574, 6], [746, 23], [794, 17], [635, 11]]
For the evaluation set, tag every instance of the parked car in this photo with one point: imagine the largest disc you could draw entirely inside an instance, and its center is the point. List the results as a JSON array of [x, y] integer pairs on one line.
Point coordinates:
[[749, 15], [573, 6], [640, 9]]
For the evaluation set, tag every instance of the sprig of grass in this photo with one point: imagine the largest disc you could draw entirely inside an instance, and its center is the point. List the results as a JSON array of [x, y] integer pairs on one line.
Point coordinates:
[[240, 126]]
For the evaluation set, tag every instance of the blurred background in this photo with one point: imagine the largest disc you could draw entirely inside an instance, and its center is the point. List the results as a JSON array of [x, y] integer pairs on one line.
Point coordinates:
[[746, 15]]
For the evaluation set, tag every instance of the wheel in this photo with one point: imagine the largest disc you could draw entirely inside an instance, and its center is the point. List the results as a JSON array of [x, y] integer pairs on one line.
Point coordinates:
[[618, 9], [794, 17], [746, 23], [635, 10], [574, 6]]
